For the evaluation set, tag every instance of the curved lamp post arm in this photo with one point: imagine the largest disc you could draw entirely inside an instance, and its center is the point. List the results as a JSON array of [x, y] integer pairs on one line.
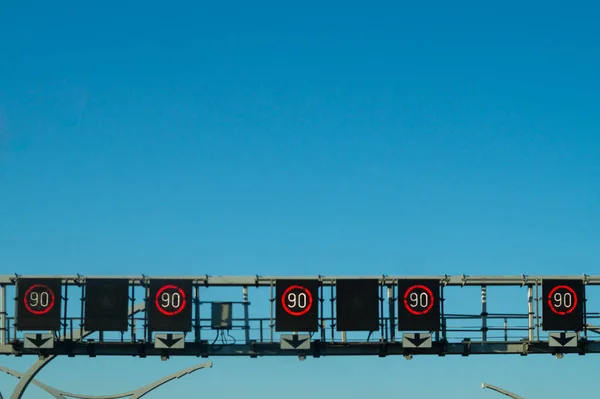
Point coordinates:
[[502, 391], [133, 394], [30, 374]]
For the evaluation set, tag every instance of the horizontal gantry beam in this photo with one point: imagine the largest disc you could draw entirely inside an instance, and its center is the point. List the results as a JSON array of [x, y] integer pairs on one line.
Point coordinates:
[[238, 281], [205, 349]]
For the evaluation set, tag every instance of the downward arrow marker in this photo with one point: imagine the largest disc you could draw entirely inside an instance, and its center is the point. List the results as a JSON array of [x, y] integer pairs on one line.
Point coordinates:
[[169, 341], [38, 340], [417, 340], [563, 339], [295, 342]]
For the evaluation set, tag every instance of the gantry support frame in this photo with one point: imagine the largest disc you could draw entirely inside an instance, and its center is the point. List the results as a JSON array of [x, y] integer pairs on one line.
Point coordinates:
[[30, 374]]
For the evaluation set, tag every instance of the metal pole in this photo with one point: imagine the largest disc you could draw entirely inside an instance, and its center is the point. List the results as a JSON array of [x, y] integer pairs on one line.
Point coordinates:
[[272, 300], [442, 312], [537, 311], [332, 300], [132, 314], [530, 311], [147, 330], [392, 327], [3, 314], [64, 321], [502, 391], [484, 313], [197, 313], [82, 314], [246, 313], [384, 331], [322, 323]]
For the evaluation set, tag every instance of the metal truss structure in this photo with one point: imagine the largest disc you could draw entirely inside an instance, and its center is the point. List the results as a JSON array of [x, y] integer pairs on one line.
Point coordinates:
[[521, 333]]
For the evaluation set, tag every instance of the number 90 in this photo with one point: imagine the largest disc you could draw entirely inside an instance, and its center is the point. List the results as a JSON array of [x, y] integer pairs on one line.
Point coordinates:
[[562, 300], [297, 300], [170, 300], [418, 300], [39, 299]]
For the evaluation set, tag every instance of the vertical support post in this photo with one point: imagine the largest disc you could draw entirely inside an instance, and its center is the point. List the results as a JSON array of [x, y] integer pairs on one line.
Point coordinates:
[[132, 313], [81, 321], [271, 321], [343, 336], [391, 309], [2, 314], [383, 329], [530, 311], [196, 313], [246, 314], [505, 329], [332, 299], [442, 311], [147, 332], [484, 313], [65, 320], [585, 321], [322, 323], [537, 310]]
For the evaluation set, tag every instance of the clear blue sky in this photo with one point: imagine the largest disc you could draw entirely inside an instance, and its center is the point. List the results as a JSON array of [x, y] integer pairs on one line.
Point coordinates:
[[303, 138]]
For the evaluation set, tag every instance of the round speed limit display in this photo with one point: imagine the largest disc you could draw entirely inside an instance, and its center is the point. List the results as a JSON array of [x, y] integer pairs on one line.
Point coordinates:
[[39, 299], [419, 299], [297, 300], [170, 300], [562, 299]]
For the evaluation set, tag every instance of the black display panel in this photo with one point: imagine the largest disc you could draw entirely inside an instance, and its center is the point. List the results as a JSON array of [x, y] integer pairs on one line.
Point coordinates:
[[106, 304], [297, 305], [38, 304], [170, 305], [418, 305], [563, 305], [357, 305]]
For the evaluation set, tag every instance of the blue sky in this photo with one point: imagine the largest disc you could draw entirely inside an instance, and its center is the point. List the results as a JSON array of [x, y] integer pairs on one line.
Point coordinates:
[[237, 138]]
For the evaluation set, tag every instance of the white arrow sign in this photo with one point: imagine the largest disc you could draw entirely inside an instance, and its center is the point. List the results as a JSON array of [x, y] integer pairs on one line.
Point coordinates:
[[298, 342], [416, 340], [169, 341], [38, 341], [563, 339]]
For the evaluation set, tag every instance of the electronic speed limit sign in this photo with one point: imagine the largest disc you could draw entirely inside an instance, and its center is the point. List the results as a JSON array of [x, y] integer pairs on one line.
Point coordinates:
[[297, 305], [418, 305], [563, 305], [38, 304], [170, 305]]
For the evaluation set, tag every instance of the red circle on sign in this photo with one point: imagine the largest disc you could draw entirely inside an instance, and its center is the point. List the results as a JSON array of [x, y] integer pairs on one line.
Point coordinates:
[[429, 293], [551, 305], [177, 290], [51, 297], [308, 297]]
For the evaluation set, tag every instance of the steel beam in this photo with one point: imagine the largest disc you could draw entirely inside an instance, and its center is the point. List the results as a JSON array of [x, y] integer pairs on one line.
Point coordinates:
[[238, 281], [205, 349]]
